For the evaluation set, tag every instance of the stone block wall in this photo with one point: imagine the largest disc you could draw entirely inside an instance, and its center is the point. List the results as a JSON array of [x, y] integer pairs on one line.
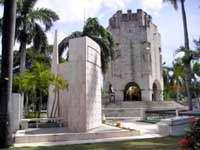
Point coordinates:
[[137, 54]]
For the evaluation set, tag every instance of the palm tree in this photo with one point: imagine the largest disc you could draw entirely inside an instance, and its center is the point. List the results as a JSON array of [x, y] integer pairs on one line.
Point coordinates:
[[175, 5], [189, 56], [187, 64], [35, 84], [29, 27], [169, 82], [178, 76], [6, 70], [99, 34], [33, 56]]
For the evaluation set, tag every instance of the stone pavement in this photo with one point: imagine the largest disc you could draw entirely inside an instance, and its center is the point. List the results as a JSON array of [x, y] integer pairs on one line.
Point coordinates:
[[147, 131], [144, 128], [146, 136]]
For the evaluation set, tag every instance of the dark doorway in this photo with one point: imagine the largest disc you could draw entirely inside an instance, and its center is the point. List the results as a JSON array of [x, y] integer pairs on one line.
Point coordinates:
[[156, 91], [132, 92]]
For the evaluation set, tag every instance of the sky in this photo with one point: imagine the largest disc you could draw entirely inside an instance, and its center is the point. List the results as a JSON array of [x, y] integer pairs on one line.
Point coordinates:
[[73, 13]]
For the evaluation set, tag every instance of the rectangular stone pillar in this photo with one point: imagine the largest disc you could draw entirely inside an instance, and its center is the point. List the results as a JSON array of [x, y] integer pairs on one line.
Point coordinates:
[[15, 111], [84, 104]]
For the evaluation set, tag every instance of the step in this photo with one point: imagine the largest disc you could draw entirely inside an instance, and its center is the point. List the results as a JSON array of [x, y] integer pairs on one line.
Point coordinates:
[[61, 134], [137, 109], [145, 104]]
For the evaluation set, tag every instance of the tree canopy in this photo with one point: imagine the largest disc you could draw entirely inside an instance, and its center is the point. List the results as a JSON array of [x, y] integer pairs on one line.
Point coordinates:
[[99, 34]]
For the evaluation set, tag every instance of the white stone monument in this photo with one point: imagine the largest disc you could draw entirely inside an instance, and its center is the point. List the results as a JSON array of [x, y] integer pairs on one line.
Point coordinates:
[[15, 106], [80, 104]]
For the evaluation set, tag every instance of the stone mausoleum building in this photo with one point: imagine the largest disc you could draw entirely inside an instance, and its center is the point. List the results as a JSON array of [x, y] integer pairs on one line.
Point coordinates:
[[136, 72]]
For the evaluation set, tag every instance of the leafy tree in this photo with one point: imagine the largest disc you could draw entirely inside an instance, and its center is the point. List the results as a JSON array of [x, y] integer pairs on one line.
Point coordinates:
[[33, 56], [167, 82], [29, 26], [186, 47], [178, 77], [35, 83], [196, 68], [99, 34], [173, 80]]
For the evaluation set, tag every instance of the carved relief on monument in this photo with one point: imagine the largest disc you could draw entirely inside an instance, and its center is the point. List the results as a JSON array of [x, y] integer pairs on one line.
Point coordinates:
[[93, 56], [147, 60], [116, 72]]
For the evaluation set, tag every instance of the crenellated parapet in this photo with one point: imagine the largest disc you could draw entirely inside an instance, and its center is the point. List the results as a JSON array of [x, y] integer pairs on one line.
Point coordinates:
[[141, 17]]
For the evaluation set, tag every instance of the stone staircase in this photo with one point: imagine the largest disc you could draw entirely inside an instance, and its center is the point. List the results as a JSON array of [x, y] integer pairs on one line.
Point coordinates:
[[137, 109]]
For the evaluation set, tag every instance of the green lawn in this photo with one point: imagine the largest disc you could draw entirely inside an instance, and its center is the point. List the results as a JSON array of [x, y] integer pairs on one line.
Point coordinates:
[[168, 143]]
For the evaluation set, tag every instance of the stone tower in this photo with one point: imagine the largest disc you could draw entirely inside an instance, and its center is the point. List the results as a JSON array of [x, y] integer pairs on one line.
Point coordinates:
[[136, 72]]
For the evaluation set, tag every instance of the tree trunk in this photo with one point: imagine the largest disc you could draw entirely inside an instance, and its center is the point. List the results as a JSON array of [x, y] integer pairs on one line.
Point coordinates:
[[188, 85], [58, 104], [40, 103], [26, 105], [22, 51], [187, 46], [8, 35], [188, 66]]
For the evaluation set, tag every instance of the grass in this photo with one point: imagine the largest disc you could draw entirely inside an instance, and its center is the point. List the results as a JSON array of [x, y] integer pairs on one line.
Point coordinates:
[[167, 143]]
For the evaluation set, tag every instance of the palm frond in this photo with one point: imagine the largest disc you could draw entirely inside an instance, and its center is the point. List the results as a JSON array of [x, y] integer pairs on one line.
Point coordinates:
[[27, 6], [40, 41], [92, 27], [18, 25], [173, 2], [45, 16], [181, 49], [1, 2], [65, 42], [195, 55], [196, 68], [100, 35]]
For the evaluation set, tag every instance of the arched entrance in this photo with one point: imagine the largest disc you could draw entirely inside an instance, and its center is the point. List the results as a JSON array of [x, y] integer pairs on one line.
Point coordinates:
[[132, 92], [156, 91]]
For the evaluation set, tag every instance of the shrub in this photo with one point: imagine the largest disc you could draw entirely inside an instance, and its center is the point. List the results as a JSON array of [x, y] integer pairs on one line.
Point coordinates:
[[191, 141]]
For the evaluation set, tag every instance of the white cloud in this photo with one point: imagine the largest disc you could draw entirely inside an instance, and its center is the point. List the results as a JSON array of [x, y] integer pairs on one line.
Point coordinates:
[[154, 5], [77, 10]]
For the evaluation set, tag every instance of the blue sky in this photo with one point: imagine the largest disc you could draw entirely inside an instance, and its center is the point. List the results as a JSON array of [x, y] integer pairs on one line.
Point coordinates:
[[73, 13]]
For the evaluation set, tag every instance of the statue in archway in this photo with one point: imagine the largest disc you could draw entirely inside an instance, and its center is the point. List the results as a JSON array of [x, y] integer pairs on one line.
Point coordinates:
[[111, 93]]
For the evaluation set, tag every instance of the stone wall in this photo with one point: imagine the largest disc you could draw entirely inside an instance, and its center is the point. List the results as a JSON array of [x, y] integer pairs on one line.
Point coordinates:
[[137, 54]]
